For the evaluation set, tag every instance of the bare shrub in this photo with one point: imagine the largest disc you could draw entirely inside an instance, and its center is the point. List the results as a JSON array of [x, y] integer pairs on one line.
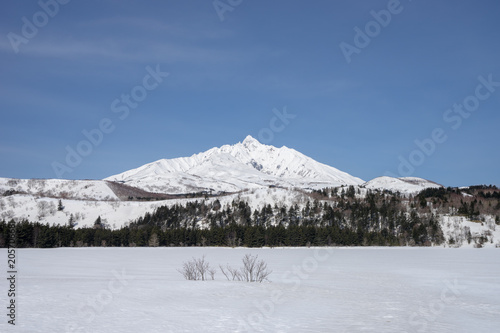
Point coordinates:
[[31, 183], [197, 269], [13, 182], [212, 272], [231, 274], [252, 270], [43, 208], [189, 271], [202, 267]]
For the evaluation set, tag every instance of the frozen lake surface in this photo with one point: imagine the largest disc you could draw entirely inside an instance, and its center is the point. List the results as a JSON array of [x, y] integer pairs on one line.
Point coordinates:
[[311, 290]]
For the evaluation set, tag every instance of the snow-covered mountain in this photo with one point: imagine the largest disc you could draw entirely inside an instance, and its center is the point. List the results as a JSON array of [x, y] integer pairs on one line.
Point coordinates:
[[231, 168]]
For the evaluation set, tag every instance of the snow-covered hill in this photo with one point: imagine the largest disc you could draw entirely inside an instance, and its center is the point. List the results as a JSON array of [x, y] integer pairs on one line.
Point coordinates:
[[117, 214], [59, 188], [231, 168], [405, 185]]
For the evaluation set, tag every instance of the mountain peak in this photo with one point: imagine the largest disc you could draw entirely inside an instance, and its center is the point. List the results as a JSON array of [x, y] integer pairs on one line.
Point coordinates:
[[250, 140]]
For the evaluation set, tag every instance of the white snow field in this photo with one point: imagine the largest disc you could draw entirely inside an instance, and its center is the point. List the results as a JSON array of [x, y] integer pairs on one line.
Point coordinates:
[[311, 290]]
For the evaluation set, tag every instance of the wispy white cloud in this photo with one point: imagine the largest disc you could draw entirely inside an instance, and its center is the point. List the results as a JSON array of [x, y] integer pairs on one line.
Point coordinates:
[[152, 26], [34, 100], [132, 40], [116, 50]]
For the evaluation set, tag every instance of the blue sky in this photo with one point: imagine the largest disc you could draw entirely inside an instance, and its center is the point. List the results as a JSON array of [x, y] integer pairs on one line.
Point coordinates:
[[361, 113]]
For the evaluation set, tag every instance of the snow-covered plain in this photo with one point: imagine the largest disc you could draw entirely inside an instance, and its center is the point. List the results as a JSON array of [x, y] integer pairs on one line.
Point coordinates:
[[311, 290]]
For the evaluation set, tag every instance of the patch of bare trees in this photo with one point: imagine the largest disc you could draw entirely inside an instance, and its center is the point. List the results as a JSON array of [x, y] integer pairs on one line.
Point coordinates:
[[253, 270], [45, 208], [197, 269]]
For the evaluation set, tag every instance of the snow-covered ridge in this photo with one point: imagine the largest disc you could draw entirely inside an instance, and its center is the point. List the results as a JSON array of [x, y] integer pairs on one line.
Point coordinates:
[[404, 185], [117, 214], [59, 188], [230, 168]]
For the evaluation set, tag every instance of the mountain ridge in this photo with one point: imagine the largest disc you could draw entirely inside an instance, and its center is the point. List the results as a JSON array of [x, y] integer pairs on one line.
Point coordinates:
[[246, 164]]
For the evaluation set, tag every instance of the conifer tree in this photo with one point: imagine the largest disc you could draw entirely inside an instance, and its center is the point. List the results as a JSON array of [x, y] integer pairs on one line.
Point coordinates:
[[60, 206]]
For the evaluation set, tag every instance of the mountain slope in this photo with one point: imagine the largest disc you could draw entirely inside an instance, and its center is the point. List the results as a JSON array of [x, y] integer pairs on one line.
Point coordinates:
[[230, 168]]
